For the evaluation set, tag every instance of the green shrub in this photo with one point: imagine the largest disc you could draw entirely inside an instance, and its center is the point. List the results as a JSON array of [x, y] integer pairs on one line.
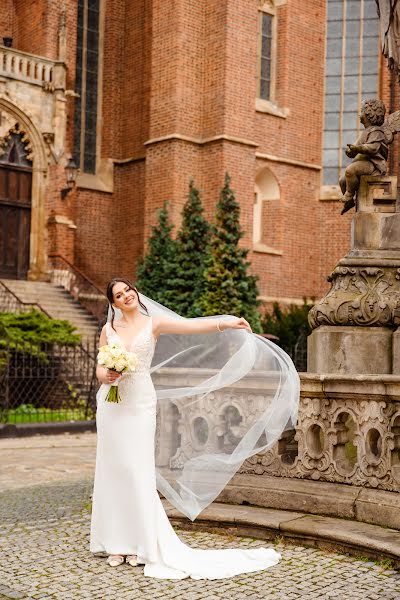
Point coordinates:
[[30, 331], [156, 269], [192, 244], [229, 287]]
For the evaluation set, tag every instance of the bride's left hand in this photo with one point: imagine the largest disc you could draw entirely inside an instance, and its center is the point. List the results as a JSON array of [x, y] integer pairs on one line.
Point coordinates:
[[239, 323]]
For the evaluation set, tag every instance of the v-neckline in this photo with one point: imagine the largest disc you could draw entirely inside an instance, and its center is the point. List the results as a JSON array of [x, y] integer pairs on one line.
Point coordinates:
[[128, 348]]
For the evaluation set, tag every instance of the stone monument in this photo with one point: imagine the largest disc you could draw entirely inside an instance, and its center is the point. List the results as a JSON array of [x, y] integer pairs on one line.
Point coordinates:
[[355, 324]]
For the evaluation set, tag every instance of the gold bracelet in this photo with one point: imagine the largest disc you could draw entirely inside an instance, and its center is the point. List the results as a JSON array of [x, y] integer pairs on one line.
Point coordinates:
[[218, 327]]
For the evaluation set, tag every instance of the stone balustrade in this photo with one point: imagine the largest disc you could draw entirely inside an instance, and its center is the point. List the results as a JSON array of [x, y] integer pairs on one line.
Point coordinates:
[[37, 70], [348, 428], [348, 431]]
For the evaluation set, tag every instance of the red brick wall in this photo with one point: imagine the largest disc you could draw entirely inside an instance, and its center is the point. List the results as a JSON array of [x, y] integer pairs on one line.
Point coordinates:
[[7, 20], [193, 72], [37, 24], [189, 68]]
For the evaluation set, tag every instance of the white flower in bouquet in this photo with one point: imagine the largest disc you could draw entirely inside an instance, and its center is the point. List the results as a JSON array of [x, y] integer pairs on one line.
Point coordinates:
[[115, 358], [116, 351]]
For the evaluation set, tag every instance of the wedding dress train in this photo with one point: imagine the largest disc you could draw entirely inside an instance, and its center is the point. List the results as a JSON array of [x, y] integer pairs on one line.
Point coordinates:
[[127, 515]]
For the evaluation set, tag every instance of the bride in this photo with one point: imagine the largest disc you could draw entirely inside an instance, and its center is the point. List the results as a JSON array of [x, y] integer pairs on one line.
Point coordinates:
[[129, 522]]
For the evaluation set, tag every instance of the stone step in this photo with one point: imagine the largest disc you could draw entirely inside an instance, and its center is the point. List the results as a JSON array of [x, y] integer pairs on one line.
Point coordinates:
[[35, 295], [57, 313], [57, 302], [343, 535]]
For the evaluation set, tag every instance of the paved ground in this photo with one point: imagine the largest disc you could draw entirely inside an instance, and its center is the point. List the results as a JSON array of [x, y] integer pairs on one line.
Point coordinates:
[[45, 486]]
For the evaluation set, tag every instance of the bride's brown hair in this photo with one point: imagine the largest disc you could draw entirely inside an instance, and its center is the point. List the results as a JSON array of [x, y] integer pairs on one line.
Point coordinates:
[[110, 295]]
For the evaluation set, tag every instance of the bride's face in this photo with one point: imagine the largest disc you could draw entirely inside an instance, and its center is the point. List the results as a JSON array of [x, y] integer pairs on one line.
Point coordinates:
[[125, 298]]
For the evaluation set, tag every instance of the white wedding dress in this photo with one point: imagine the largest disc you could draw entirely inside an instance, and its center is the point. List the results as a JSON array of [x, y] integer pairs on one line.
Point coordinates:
[[127, 515]]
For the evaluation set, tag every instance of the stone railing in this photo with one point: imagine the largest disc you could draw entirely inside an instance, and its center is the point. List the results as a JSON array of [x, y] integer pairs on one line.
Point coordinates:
[[348, 431], [348, 428], [37, 70]]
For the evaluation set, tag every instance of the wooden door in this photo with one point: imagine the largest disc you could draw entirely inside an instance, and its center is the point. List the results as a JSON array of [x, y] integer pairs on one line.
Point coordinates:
[[15, 216]]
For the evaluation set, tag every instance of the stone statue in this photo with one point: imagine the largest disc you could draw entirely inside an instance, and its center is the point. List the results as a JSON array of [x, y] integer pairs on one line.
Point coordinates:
[[370, 152], [389, 16]]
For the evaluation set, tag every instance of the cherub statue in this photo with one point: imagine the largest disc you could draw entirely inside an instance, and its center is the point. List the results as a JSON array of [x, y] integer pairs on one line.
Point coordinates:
[[370, 152]]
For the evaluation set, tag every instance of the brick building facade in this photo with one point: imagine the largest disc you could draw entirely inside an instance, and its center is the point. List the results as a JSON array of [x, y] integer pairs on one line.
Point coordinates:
[[147, 94]]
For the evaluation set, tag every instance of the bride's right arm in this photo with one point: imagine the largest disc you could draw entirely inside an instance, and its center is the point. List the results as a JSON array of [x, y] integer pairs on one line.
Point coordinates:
[[105, 375]]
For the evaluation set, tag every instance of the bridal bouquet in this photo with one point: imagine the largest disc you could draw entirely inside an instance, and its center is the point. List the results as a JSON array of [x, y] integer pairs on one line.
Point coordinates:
[[116, 359]]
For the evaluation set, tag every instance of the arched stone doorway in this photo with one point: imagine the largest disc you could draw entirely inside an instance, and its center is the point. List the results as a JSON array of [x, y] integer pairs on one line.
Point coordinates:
[[15, 205], [20, 137]]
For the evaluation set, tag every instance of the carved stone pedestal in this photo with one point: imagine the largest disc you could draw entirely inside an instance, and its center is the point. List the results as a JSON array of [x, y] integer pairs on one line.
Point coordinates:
[[346, 350], [396, 352], [376, 231], [354, 323]]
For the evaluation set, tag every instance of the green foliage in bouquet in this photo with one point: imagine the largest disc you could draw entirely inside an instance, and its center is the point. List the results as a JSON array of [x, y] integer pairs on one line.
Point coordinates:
[[287, 324], [228, 286], [157, 268], [192, 245]]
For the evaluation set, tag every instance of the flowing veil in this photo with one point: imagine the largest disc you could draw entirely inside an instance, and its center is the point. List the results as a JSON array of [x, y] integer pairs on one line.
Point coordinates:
[[221, 398]]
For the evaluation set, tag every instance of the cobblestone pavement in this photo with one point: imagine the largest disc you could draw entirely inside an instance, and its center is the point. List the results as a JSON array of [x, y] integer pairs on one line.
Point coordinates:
[[30, 460], [44, 536]]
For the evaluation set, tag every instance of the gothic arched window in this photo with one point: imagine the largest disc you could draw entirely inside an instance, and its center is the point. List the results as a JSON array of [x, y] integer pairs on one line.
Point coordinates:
[[87, 80]]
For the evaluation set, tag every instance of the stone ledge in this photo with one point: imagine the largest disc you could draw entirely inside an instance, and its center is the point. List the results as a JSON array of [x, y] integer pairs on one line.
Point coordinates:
[[28, 429], [337, 500], [359, 539]]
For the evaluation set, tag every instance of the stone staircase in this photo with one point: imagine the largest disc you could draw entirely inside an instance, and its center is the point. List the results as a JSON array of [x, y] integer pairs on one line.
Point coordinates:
[[57, 302]]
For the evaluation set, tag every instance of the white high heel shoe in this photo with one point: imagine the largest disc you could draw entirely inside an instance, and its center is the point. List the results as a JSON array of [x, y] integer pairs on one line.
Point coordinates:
[[114, 560], [131, 559]]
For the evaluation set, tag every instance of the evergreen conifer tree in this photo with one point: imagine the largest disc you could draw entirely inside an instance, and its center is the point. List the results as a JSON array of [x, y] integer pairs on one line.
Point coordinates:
[[228, 287], [156, 270], [193, 241]]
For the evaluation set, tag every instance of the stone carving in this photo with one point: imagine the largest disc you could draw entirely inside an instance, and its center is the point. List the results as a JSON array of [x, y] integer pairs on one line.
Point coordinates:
[[48, 138], [367, 296], [370, 151], [211, 430], [389, 16], [48, 86], [377, 194], [348, 430], [340, 440], [6, 139]]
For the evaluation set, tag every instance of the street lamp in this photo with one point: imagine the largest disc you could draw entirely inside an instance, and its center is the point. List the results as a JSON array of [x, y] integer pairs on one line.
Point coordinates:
[[71, 173]]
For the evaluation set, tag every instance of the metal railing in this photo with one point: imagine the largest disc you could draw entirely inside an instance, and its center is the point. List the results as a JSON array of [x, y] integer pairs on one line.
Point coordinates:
[[9, 302], [44, 382], [79, 286]]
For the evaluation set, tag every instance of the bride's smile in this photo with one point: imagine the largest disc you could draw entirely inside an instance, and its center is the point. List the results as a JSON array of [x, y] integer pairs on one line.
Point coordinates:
[[124, 296]]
